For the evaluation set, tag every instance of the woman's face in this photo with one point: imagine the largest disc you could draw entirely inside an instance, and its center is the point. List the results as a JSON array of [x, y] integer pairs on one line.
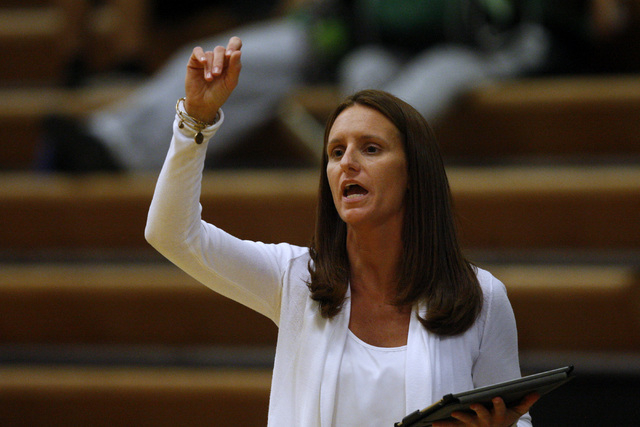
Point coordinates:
[[367, 168]]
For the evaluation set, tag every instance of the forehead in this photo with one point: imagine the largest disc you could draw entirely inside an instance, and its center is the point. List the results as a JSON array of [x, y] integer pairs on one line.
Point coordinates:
[[362, 119]]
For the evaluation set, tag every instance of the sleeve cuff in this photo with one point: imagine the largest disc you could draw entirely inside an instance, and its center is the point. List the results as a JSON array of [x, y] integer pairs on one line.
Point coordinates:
[[207, 133]]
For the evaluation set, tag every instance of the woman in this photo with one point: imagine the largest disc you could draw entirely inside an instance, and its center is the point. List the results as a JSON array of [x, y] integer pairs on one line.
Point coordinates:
[[381, 315]]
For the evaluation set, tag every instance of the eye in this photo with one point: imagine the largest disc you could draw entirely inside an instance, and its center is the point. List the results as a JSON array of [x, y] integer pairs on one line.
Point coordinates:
[[372, 149], [336, 152]]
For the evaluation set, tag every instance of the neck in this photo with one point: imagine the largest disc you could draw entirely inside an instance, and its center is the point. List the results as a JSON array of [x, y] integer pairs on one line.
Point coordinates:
[[374, 258]]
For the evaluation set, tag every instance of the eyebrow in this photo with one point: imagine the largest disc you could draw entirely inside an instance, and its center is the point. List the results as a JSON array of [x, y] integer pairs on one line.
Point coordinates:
[[365, 137]]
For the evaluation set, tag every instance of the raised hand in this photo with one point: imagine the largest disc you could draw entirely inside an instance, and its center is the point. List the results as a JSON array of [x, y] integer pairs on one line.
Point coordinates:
[[211, 77]]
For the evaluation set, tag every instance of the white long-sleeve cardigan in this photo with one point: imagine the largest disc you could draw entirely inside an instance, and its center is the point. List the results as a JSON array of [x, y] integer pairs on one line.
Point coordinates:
[[272, 279]]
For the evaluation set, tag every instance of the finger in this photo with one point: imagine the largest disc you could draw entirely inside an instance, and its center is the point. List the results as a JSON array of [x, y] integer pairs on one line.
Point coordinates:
[[526, 403], [208, 66], [235, 44], [499, 410], [197, 58], [483, 413], [464, 418], [234, 67], [198, 54], [218, 60]]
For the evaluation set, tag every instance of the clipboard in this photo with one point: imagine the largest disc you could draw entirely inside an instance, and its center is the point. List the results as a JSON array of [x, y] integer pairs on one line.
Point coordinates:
[[511, 392]]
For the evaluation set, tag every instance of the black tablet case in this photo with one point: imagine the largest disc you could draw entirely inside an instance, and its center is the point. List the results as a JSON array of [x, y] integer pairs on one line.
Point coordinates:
[[510, 391]]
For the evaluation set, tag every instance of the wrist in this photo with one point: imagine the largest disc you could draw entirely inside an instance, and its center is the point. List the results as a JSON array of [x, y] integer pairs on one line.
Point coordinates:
[[194, 124], [201, 113]]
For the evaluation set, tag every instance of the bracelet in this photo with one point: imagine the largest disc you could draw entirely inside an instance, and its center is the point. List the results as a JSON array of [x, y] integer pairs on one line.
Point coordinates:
[[194, 124]]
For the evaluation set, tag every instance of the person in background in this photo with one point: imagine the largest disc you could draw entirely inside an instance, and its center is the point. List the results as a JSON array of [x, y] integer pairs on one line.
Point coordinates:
[[426, 53], [382, 314]]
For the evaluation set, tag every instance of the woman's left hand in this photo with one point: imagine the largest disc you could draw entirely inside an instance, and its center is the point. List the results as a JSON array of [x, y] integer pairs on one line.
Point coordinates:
[[498, 416]]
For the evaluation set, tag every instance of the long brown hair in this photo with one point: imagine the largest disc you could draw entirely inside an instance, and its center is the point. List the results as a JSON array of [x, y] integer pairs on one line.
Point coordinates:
[[433, 268]]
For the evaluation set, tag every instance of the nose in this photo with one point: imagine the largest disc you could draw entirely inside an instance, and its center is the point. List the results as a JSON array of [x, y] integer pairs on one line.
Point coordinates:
[[349, 160]]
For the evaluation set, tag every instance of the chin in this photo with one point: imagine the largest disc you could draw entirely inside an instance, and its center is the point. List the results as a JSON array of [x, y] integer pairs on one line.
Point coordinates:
[[353, 218]]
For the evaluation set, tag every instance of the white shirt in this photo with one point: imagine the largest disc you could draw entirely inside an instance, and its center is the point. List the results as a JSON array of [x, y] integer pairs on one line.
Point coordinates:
[[370, 384]]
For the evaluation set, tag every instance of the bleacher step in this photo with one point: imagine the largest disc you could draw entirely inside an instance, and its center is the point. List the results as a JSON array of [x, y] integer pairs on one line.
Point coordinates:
[[574, 119], [499, 209], [31, 37], [121, 305], [570, 307], [22, 110], [80, 396], [559, 307]]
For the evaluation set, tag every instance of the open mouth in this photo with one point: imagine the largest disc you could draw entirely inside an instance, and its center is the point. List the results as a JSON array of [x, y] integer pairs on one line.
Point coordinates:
[[353, 190]]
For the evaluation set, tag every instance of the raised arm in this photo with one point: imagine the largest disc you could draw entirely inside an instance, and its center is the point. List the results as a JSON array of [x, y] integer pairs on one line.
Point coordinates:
[[175, 211], [248, 272]]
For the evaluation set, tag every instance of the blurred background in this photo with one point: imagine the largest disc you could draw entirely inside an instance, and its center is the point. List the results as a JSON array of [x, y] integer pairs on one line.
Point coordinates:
[[98, 329]]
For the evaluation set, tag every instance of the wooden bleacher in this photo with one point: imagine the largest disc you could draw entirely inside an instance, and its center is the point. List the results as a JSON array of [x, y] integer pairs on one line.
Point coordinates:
[[143, 304], [26, 106], [562, 235], [30, 34], [66, 356], [519, 208], [567, 120], [89, 396], [578, 120], [158, 306], [567, 307], [41, 37], [97, 329], [571, 120], [149, 304]]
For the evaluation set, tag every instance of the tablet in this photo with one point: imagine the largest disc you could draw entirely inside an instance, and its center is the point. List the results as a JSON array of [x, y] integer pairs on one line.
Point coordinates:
[[511, 392]]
